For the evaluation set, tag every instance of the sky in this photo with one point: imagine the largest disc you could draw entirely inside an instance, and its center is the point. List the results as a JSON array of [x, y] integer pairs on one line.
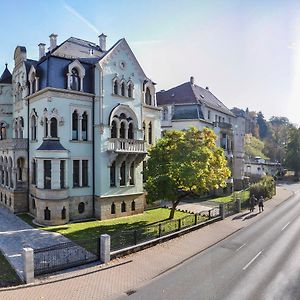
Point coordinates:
[[246, 52]]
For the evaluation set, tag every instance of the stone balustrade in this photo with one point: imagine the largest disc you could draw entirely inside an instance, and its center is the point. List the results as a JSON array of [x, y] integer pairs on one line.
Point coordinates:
[[126, 145]]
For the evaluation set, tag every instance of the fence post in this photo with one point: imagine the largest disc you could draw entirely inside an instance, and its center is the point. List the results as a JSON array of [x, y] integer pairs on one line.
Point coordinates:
[[179, 224], [28, 264], [239, 204], [222, 210], [159, 230], [196, 219], [209, 214], [105, 248]]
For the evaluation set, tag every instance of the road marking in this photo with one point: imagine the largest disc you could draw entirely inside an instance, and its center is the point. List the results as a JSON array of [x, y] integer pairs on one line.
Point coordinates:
[[285, 226], [240, 247], [252, 260]]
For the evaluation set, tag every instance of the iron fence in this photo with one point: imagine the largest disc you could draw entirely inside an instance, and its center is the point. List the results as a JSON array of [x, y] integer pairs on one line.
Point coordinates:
[[230, 208], [63, 256]]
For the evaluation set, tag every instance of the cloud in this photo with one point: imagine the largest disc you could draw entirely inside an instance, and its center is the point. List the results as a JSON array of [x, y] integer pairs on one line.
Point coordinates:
[[81, 18]]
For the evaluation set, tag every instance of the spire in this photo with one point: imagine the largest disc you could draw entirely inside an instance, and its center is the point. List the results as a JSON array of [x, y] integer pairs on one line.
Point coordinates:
[[6, 76]]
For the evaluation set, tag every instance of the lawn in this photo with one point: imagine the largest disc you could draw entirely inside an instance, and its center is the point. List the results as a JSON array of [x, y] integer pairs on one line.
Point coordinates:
[[244, 195], [86, 233], [8, 276]]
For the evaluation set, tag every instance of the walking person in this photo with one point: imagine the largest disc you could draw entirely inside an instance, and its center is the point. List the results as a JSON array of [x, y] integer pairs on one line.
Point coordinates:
[[261, 204], [252, 203]]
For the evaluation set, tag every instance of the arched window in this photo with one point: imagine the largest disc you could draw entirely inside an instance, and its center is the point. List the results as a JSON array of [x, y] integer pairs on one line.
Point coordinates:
[[130, 131], [33, 204], [75, 80], [113, 174], [165, 114], [123, 174], [148, 96], [63, 213], [122, 130], [46, 127], [2, 131], [81, 207], [53, 127], [84, 126], [75, 125], [129, 91], [116, 87], [47, 214], [113, 131], [20, 166], [113, 208], [133, 205], [33, 128], [33, 179], [21, 126], [150, 133], [123, 207], [132, 174], [123, 89], [144, 130]]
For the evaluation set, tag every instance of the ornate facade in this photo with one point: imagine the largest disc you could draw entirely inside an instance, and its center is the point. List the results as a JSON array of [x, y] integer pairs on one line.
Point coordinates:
[[75, 126]]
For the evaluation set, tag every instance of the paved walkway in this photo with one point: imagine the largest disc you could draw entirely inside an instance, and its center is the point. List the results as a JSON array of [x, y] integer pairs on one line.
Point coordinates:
[[15, 234], [128, 273]]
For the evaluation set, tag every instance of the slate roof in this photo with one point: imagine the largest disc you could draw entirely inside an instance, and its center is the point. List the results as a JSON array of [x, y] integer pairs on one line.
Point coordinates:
[[51, 145], [87, 44], [6, 76], [188, 93], [184, 112]]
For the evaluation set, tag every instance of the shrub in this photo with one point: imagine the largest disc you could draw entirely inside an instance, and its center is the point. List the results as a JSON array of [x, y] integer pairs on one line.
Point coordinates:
[[266, 187]]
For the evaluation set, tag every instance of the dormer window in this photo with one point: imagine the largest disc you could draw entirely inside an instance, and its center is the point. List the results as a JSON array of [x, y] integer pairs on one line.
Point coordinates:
[[53, 127], [148, 96], [129, 91], [75, 81], [76, 73], [116, 87], [123, 89]]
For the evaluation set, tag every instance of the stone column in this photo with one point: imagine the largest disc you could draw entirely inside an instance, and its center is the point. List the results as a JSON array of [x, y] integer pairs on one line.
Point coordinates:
[[79, 127], [239, 204], [40, 173], [66, 173], [28, 264], [55, 174], [222, 211], [105, 248], [80, 172]]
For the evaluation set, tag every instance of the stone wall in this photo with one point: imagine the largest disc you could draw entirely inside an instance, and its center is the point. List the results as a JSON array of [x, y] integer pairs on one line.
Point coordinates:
[[15, 201]]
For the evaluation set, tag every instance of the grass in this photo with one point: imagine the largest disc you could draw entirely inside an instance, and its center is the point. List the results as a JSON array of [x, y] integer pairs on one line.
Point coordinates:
[[86, 233], [8, 276], [244, 195]]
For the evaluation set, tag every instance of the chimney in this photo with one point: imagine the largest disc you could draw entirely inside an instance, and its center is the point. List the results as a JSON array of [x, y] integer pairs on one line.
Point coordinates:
[[207, 88], [53, 41], [102, 41], [41, 50], [192, 80]]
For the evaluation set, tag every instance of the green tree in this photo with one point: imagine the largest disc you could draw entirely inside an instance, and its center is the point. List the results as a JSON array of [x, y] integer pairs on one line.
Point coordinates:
[[254, 146], [292, 159], [262, 124], [183, 163]]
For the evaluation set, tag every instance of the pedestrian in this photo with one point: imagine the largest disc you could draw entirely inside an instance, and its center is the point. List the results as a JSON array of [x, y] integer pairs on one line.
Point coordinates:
[[252, 202], [261, 203]]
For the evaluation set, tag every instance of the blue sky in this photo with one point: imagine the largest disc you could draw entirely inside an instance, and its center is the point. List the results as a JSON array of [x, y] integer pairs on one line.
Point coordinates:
[[247, 52]]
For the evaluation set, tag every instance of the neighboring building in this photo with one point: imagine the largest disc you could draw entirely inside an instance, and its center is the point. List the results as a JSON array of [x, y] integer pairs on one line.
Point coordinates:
[[189, 105], [251, 126], [75, 126]]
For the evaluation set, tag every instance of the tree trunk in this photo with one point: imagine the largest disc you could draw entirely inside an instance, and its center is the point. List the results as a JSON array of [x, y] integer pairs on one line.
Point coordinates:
[[172, 211]]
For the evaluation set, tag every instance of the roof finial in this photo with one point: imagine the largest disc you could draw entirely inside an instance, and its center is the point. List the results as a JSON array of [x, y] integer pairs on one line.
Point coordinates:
[[6, 64]]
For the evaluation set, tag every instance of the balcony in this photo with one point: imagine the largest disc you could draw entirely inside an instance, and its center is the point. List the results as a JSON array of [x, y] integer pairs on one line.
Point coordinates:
[[223, 125], [126, 146], [13, 144]]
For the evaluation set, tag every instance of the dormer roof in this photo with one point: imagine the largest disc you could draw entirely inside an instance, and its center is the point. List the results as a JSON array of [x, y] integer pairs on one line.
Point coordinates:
[[6, 76]]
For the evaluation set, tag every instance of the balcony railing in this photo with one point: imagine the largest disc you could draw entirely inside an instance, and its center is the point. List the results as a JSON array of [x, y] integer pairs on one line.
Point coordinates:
[[13, 144], [223, 125], [126, 145]]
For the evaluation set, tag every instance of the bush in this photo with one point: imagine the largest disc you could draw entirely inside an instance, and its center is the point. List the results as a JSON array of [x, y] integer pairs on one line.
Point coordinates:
[[266, 187]]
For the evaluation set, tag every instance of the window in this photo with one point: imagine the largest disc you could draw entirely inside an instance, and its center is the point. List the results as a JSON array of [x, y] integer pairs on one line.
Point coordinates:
[[33, 179], [47, 174], [113, 132], [21, 126], [122, 130], [62, 174], [2, 131], [75, 80], [53, 127], [33, 128], [85, 180], [113, 174], [130, 131], [165, 114], [63, 213], [123, 207], [150, 133], [148, 97], [116, 87], [129, 91], [84, 126], [20, 165], [132, 174], [75, 125], [46, 127], [133, 205], [144, 130], [113, 208], [81, 207], [123, 89], [47, 214], [75, 173], [122, 174], [33, 203], [208, 115]]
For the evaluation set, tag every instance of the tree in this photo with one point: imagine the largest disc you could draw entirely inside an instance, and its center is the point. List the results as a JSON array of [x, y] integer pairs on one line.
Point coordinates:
[[254, 147], [184, 163], [292, 159], [263, 126]]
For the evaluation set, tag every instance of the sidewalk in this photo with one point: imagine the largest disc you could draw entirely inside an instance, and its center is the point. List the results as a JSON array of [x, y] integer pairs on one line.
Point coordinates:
[[122, 275]]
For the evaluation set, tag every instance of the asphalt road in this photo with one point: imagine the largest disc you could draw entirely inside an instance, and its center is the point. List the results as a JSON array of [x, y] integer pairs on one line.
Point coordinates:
[[261, 261]]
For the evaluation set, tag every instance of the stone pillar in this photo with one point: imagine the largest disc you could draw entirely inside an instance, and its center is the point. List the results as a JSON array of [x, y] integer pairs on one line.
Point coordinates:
[[239, 204], [66, 173], [40, 173], [80, 172], [105, 248], [79, 127], [28, 264], [55, 174], [222, 210]]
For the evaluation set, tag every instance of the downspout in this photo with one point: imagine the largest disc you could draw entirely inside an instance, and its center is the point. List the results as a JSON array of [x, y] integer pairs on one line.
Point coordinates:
[[93, 155], [28, 157]]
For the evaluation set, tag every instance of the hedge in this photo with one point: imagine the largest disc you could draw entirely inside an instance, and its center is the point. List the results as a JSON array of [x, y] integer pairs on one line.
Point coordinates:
[[266, 187]]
